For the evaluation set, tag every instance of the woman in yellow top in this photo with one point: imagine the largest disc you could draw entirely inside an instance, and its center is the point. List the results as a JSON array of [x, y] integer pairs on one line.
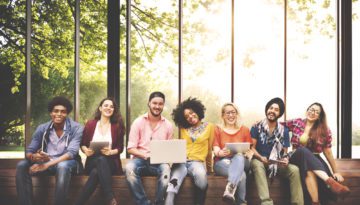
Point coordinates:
[[199, 139]]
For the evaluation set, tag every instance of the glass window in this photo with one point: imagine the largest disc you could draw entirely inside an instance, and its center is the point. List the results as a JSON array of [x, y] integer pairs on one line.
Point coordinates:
[[259, 56], [356, 80], [12, 78], [93, 56], [311, 60], [52, 56], [154, 54], [207, 55]]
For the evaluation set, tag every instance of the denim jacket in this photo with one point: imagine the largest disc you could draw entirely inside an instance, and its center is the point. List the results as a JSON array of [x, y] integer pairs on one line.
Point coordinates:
[[73, 134]]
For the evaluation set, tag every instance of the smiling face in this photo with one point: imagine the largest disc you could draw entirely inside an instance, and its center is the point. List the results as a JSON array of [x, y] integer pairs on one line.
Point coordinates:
[[272, 114], [58, 114], [156, 106], [230, 115], [191, 117], [313, 113], [107, 109]]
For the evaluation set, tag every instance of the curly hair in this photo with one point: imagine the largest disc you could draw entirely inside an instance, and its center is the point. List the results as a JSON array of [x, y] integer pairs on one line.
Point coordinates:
[[60, 100], [190, 103], [115, 117]]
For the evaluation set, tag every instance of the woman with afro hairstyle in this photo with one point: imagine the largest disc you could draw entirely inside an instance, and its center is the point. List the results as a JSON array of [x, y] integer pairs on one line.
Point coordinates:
[[199, 137]]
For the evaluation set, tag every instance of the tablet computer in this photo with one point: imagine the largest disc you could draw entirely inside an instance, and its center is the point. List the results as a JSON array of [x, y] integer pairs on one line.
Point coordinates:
[[238, 147], [96, 146]]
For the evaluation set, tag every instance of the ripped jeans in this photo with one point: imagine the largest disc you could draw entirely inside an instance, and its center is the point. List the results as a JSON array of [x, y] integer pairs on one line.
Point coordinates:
[[197, 171], [139, 167]]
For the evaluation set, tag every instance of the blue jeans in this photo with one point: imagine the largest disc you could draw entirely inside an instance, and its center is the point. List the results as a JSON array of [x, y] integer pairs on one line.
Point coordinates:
[[197, 171], [62, 171], [234, 168], [101, 169], [139, 167]]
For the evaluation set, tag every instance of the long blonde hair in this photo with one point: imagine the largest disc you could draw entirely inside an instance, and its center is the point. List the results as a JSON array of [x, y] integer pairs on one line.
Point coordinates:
[[237, 123]]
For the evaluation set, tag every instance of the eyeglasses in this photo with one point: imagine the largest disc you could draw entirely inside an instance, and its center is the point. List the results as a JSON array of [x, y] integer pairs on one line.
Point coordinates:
[[312, 110], [230, 113]]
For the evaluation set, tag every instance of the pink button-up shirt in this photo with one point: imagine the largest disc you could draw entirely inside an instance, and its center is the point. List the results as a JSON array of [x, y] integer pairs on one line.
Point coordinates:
[[141, 133]]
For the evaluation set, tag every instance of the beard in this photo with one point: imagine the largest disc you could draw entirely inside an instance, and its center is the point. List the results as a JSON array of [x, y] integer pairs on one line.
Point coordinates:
[[273, 118], [154, 113]]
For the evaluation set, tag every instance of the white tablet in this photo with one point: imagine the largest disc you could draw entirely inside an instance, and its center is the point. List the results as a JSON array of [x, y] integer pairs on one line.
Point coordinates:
[[238, 147], [96, 146]]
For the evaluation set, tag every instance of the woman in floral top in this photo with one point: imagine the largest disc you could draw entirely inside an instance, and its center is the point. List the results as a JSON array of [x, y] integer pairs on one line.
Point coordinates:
[[311, 136], [199, 138]]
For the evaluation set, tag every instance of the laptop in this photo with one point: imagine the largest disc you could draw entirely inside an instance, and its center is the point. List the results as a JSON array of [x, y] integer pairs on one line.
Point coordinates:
[[167, 151], [238, 147]]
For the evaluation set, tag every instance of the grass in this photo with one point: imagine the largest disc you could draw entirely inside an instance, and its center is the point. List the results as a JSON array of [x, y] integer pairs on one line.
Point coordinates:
[[12, 148]]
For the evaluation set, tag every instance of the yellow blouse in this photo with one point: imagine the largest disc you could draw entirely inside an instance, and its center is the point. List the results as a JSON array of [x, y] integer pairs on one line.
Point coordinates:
[[201, 148]]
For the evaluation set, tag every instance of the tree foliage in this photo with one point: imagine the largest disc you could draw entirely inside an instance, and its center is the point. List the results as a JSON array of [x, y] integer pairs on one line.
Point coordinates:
[[154, 36]]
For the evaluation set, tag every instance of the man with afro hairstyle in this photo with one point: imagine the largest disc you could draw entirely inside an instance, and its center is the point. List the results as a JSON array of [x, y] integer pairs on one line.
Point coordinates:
[[53, 150]]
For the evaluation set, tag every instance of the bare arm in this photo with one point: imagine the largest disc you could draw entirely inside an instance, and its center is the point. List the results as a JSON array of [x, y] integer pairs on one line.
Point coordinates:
[[330, 158], [256, 153], [138, 153]]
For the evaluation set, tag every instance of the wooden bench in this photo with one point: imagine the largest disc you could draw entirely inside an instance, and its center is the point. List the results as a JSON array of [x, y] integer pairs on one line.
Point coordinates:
[[279, 190]]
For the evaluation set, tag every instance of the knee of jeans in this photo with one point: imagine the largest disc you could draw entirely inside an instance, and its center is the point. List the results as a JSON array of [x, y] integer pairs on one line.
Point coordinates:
[[243, 177], [93, 172], [201, 183], [23, 165], [130, 169], [63, 167], [164, 169], [200, 180], [239, 157]]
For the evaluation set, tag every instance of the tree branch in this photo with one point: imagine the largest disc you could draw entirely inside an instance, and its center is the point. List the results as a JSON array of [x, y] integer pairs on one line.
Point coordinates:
[[151, 16], [142, 40]]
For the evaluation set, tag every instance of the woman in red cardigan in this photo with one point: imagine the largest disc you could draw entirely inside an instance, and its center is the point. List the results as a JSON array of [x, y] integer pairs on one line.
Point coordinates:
[[107, 126]]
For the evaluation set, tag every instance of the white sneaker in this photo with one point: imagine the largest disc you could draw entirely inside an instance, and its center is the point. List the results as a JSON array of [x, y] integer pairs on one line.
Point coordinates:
[[229, 193]]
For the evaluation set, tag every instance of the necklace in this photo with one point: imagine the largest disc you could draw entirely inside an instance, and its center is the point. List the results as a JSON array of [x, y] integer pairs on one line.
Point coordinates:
[[195, 132]]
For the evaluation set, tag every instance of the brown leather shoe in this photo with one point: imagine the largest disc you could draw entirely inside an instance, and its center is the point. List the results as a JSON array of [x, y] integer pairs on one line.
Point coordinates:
[[338, 188]]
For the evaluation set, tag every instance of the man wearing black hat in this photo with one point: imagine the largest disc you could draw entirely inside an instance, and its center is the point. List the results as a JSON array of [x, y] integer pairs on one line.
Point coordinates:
[[270, 144]]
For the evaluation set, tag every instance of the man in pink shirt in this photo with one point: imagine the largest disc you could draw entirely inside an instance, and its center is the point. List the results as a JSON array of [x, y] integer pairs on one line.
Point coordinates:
[[150, 126]]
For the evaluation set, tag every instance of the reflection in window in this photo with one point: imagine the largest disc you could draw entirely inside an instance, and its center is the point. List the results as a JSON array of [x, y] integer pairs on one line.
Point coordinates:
[[12, 79], [356, 81], [259, 56], [154, 53], [311, 61], [207, 55], [93, 58]]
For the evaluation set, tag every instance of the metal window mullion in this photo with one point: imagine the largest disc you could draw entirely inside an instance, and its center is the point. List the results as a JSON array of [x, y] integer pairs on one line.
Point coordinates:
[[77, 62], [28, 73]]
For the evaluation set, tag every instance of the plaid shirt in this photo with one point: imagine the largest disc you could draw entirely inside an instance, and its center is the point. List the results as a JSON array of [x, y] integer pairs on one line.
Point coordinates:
[[297, 127]]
